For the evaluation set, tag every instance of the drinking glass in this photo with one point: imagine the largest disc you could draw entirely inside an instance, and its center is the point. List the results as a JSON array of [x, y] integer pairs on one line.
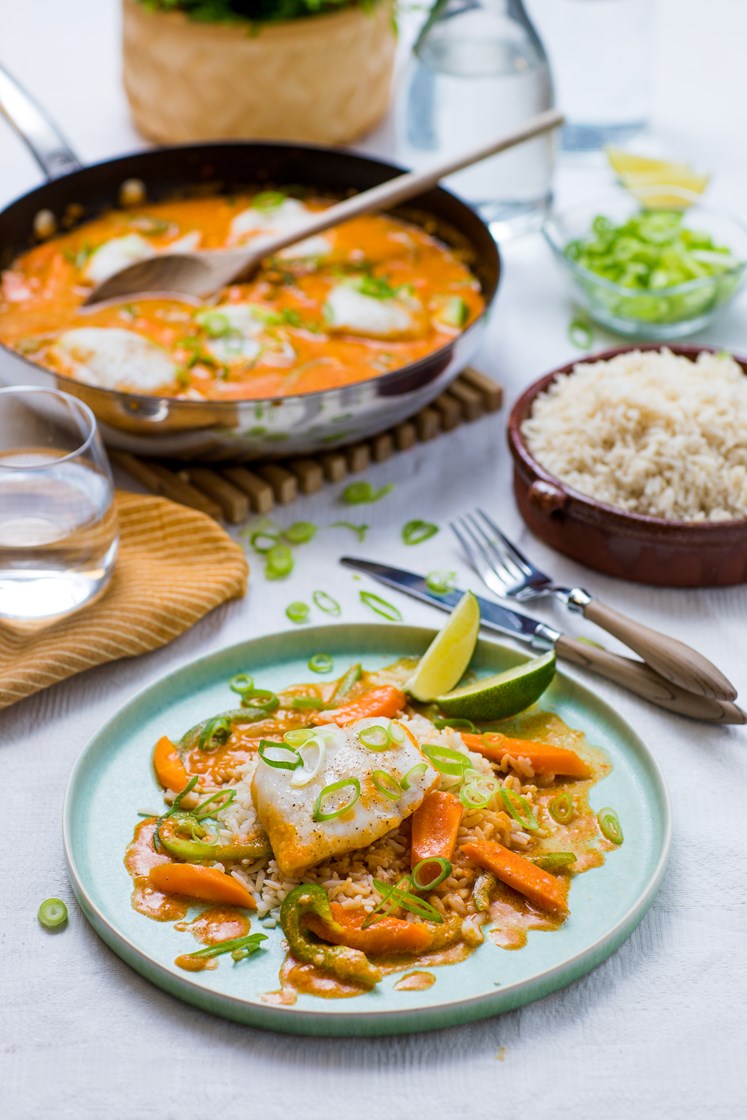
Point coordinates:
[[58, 525]]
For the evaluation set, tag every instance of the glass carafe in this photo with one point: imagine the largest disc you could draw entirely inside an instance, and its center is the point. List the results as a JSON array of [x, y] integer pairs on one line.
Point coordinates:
[[478, 69]]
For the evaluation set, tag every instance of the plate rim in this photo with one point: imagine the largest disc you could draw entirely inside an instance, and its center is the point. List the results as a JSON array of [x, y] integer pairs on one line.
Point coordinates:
[[294, 1020]]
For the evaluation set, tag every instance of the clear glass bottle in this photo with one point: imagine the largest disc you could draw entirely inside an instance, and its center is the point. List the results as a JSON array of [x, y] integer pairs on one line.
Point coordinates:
[[479, 69]]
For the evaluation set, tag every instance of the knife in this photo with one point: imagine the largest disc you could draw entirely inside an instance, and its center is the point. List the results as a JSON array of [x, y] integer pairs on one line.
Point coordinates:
[[636, 676]]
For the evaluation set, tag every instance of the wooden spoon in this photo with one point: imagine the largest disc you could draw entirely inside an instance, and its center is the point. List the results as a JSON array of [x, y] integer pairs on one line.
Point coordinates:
[[201, 274]]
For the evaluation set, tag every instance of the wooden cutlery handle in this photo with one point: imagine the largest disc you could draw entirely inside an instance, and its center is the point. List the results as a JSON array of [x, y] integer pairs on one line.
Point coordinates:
[[670, 658], [644, 682]]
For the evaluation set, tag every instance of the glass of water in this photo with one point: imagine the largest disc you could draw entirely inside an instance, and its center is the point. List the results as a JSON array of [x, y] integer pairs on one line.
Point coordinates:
[[58, 525]]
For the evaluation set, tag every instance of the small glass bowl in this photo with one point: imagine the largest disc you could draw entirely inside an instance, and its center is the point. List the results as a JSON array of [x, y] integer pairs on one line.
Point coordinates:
[[666, 313]]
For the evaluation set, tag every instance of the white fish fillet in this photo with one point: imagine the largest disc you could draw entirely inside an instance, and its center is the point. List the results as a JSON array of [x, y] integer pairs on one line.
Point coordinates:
[[115, 255], [113, 358], [289, 215], [350, 311]]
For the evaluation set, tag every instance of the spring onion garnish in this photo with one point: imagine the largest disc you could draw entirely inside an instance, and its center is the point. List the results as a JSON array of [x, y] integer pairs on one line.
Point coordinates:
[[321, 813], [446, 760], [561, 808], [413, 773], [303, 776], [214, 734], [347, 682], [279, 563], [358, 493], [610, 826], [306, 704], [297, 612], [455, 724], [52, 913], [244, 946], [321, 663], [359, 530], [298, 737], [326, 603], [376, 737], [553, 861], [216, 803], [478, 790], [176, 803], [440, 583], [380, 606], [580, 333], [290, 761], [264, 542], [241, 683], [419, 873], [387, 784], [300, 532], [263, 700], [415, 532], [520, 809], [411, 902]]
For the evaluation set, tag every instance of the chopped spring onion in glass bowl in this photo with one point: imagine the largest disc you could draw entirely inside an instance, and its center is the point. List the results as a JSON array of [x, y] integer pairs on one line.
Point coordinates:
[[645, 267]]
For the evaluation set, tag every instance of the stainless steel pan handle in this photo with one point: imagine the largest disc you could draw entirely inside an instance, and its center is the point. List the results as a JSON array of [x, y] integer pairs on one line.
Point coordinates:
[[46, 143]]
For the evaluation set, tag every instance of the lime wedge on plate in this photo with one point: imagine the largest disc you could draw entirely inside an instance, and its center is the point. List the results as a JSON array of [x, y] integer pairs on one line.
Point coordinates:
[[449, 654], [503, 695]]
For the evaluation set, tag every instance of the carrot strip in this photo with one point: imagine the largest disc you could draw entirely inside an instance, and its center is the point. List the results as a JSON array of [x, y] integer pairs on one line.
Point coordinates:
[[384, 701], [435, 825], [168, 765], [196, 881], [384, 937], [545, 758], [516, 871]]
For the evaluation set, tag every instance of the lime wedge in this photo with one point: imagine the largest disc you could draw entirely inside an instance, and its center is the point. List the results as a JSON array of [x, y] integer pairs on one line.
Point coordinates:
[[503, 695], [449, 654]]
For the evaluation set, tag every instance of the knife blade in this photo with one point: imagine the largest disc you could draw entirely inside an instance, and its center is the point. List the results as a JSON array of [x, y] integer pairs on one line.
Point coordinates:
[[636, 676]]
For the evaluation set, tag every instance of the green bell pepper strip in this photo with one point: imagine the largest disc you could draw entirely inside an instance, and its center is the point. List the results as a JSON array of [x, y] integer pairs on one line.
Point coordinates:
[[485, 884], [348, 965], [181, 835]]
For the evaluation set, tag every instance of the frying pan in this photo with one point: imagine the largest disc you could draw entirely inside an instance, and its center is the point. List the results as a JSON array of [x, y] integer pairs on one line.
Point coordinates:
[[236, 430]]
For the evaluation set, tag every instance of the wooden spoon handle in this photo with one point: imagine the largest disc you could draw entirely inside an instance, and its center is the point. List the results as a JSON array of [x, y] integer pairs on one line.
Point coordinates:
[[407, 186], [643, 681], [667, 656]]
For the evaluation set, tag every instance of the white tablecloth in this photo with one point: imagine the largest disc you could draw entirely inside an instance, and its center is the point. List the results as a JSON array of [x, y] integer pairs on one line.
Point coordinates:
[[656, 1032]]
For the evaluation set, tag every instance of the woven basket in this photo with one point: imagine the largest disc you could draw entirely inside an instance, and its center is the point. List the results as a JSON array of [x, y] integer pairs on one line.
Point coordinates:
[[325, 79]]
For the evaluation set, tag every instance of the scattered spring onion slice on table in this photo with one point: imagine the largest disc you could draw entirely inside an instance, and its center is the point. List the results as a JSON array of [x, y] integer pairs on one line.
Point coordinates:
[[279, 562], [380, 606], [387, 784], [561, 808], [609, 824], [360, 493], [580, 333], [297, 612], [444, 866], [52, 913], [440, 583], [321, 813], [326, 603], [359, 530], [520, 809], [244, 946], [291, 761], [300, 532], [264, 542], [321, 663], [415, 532]]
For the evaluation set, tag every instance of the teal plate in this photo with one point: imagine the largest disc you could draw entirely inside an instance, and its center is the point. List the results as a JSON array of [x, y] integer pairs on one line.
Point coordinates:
[[113, 779]]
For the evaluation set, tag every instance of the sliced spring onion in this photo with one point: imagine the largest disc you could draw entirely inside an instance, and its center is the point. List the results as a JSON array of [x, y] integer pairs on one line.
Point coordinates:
[[520, 809], [176, 803], [415, 532], [387, 784], [478, 790], [326, 603], [320, 813], [440, 583], [380, 606], [216, 803], [359, 530], [446, 760], [243, 945], [303, 776], [291, 762], [306, 704], [412, 773], [300, 532], [553, 861], [214, 734], [297, 612], [264, 542], [376, 737], [52, 913], [408, 901], [430, 884], [263, 700], [279, 563], [610, 826], [241, 683], [359, 493], [580, 333], [321, 663], [455, 724], [561, 808], [298, 737], [347, 682], [397, 732]]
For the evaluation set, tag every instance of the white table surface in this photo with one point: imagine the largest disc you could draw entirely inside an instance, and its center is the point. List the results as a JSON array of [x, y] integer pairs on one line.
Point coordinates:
[[656, 1032]]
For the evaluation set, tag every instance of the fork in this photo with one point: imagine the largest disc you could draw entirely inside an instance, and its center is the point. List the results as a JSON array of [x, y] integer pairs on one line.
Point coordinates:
[[509, 574]]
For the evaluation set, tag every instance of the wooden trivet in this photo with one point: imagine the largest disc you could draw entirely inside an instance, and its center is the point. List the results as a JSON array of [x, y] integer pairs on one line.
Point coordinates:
[[233, 493]]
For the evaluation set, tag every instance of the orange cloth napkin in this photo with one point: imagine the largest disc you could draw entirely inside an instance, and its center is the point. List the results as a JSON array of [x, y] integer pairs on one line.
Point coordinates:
[[174, 565]]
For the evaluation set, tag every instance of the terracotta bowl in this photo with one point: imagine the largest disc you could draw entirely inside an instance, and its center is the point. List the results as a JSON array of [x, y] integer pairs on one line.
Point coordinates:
[[629, 546]]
